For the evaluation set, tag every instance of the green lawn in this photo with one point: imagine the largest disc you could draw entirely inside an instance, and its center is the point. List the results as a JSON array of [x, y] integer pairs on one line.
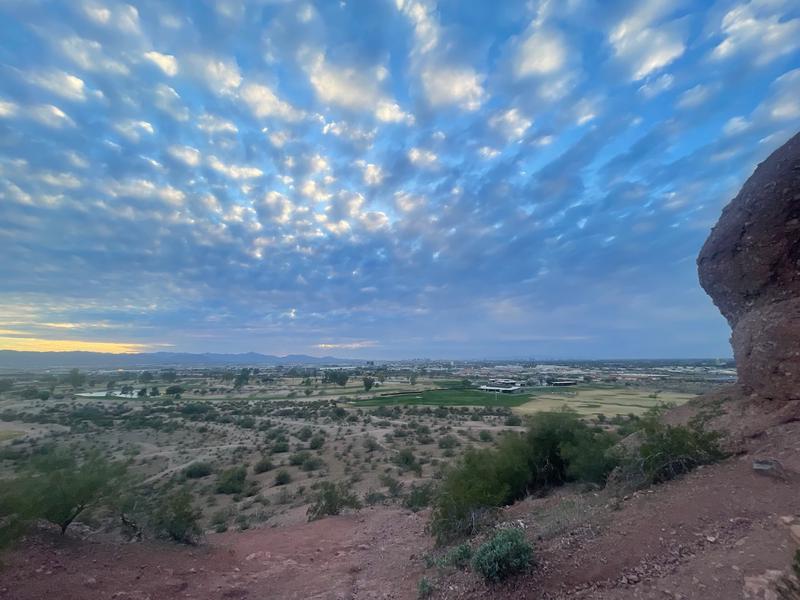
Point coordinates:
[[446, 398]]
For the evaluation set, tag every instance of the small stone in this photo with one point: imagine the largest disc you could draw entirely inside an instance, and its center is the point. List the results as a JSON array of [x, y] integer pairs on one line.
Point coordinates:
[[794, 531]]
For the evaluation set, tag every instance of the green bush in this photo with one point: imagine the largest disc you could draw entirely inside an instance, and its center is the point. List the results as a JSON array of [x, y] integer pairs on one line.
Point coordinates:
[[312, 463], [558, 447], [448, 442], [458, 557], [667, 451], [424, 588], [419, 496], [282, 477], [58, 487], [316, 442], [197, 470], [330, 499], [263, 465], [788, 588], [506, 554], [406, 461], [231, 481], [175, 518]]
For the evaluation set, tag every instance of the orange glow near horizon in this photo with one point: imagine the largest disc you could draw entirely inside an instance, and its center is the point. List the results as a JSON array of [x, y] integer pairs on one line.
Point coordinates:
[[31, 344]]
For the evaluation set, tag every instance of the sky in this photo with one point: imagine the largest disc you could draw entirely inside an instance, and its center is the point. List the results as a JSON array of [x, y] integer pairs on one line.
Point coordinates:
[[379, 178]]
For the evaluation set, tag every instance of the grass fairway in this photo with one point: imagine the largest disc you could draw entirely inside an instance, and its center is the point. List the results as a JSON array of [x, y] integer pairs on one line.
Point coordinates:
[[587, 400], [10, 435], [594, 400], [446, 398]]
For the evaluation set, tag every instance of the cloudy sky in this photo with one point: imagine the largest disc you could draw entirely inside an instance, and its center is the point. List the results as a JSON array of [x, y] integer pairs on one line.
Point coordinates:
[[379, 178]]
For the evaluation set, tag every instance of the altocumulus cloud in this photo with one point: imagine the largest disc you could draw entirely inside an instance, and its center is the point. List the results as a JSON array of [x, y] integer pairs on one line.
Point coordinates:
[[390, 178]]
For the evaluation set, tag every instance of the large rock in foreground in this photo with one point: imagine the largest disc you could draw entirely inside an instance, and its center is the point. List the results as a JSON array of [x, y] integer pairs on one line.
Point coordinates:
[[750, 266]]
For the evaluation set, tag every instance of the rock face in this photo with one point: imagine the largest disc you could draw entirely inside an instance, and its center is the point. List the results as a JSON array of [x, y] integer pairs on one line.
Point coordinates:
[[750, 266]]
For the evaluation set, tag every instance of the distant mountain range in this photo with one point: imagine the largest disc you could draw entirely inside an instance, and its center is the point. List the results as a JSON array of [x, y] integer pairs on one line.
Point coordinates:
[[12, 359]]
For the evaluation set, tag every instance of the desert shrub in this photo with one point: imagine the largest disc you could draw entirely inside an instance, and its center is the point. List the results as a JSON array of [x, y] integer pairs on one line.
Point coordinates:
[[175, 518], [280, 446], [282, 477], [424, 588], [316, 442], [57, 487], [479, 482], [667, 451], [406, 461], [557, 447], [448, 442], [263, 465], [312, 463], [371, 498], [231, 481], [512, 421], [304, 434], [298, 458], [506, 554], [371, 444], [485, 436], [330, 499], [788, 588], [196, 470], [393, 486], [457, 557], [419, 496]]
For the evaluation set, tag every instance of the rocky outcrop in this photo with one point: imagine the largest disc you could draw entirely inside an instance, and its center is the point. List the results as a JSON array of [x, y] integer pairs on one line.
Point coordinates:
[[750, 266]]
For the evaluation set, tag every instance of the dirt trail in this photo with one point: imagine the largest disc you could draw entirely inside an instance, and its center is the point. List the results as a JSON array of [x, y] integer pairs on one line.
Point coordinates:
[[360, 556]]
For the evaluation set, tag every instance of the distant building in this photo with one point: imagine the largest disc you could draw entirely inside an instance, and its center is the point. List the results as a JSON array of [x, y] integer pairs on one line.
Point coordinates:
[[564, 383]]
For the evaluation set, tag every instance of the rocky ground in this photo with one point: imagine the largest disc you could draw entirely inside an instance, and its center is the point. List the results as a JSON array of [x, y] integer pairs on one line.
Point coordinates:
[[724, 531]]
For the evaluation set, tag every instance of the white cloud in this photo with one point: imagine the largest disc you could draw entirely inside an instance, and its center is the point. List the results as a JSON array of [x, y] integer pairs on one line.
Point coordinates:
[[352, 88], [371, 173], [166, 62], [144, 189], [389, 112], [406, 202], [694, 97], [88, 55], [654, 87], [422, 157], [644, 41], [758, 29], [51, 116], [264, 103], [541, 52], [459, 86], [233, 171], [221, 75], [8, 109], [124, 17], [511, 123], [735, 125], [214, 124], [60, 180], [647, 50], [168, 101], [311, 189], [488, 152], [60, 83], [784, 103], [344, 129], [279, 138], [133, 129], [185, 154], [426, 26]]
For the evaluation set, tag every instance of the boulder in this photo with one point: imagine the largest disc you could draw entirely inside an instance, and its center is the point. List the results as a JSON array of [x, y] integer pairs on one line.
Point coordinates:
[[750, 266]]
